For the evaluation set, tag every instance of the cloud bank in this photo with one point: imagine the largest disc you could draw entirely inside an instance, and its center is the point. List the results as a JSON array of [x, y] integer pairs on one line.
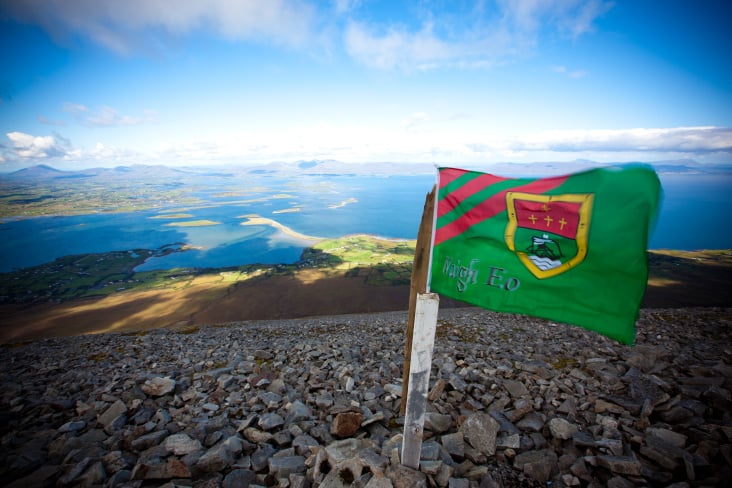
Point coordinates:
[[691, 140], [359, 144], [476, 35], [134, 25]]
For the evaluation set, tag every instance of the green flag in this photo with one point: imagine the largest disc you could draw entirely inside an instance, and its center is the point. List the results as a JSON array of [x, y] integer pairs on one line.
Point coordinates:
[[568, 248]]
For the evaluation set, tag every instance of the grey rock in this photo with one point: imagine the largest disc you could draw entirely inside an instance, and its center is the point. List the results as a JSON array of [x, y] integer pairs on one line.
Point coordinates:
[[115, 461], [512, 441], [182, 444], [430, 451], [436, 422], [298, 411], [118, 478], [404, 477], [239, 478], [215, 459], [442, 478], [70, 421], [667, 435], [257, 436], [303, 443], [515, 388], [481, 430], [160, 470], [379, 482], [371, 459], [158, 386], [149, 440], [73, 426], [343, 450], [458, 483], [94, 475], [561, 428], [260, 457], [114, 417], [538, 465], [283, 467], [454, 444], [621, 464], [395, 390], [270, 421], [533, 422], [270, 399]]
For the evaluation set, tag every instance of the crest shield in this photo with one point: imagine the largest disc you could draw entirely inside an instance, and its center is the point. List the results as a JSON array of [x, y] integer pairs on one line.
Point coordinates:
[[548, 232]]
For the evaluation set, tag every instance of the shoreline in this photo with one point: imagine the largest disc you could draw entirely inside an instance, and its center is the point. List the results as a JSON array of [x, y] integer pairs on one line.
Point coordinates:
[[258, 220], [675, 283]]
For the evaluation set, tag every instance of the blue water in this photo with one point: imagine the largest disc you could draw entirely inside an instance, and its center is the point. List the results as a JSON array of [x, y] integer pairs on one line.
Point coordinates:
[[694, 215], [387, 207]]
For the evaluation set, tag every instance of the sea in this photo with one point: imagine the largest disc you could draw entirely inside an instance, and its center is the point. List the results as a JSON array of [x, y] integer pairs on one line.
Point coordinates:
[[696, 213]]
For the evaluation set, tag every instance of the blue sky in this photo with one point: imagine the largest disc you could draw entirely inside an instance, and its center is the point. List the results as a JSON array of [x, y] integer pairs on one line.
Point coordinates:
[[104, 83]]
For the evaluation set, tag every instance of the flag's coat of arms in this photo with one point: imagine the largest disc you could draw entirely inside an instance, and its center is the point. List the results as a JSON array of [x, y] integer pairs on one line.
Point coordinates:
[[548, 232]]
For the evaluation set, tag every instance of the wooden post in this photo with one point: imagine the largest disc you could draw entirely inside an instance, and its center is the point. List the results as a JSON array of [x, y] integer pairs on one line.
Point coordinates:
[[425, 324], [418, 285]]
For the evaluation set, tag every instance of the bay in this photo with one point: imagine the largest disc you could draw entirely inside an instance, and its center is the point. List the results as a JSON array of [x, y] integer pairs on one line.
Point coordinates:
[[694, 215]]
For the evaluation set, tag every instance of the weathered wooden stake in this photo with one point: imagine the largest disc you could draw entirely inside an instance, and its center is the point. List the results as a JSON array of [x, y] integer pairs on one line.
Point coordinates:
[[425, 324], [418, 285]]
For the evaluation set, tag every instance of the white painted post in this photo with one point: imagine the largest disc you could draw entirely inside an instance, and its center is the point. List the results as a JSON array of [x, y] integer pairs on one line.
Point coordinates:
[[423, 341]]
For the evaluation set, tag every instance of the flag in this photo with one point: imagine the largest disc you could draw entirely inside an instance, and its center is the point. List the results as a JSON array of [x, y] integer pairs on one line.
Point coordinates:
[[569, 248]]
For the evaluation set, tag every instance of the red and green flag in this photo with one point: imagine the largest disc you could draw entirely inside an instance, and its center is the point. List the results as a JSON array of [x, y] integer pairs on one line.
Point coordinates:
[[567, 248]]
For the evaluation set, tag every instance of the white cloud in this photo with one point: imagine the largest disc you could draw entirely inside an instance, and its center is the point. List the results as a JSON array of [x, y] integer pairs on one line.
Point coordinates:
[[582, 22], [573, 18], [415, 120], [475, 39], [56, 148], [361, 143], [106, 116], [562, 70], [676, 140], [475, 36], [123, 26], [345, 6], [45, 121], [75, 108], [398, 48], [28, 147]]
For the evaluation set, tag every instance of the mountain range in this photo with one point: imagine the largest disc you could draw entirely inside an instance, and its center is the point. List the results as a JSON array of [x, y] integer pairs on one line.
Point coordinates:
[[332, 167]]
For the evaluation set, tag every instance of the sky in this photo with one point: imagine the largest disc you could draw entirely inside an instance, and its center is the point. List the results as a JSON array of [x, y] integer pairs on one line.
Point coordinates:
[[93, 83]]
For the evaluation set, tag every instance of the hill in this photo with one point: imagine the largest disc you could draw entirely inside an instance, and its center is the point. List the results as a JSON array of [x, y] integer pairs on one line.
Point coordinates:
[[356, 274]]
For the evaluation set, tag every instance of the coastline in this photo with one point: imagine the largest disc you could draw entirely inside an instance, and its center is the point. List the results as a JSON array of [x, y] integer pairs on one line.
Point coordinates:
[[258, 220], [691, 281]]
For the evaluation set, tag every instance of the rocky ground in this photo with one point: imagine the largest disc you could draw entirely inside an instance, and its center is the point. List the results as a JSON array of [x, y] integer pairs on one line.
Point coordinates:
[[514, 401]]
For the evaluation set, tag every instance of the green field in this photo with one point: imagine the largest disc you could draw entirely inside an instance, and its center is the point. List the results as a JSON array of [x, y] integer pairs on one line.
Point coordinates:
[[379, 262]]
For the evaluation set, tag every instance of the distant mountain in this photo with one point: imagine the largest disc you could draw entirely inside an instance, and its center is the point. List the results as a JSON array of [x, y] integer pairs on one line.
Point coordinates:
[[681, 166], [41, 171], [332, 167], [137, 171]]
